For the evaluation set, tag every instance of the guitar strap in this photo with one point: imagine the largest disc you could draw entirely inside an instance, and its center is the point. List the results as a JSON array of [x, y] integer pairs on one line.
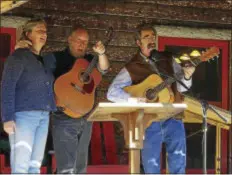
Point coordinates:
[[154, 67]]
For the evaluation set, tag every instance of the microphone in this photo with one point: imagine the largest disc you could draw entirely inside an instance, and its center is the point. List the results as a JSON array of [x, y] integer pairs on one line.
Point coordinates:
[[158, 55]]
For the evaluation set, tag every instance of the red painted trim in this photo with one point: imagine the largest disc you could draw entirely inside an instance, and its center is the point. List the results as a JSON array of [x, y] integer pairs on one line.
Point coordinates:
[[7, 170], [2, 163], [194, 171], [224, 150], [53, 164], [199, 171], [108, 169], [96, 145], [225, 76], [99, 168], [223, 45], [116, 169], [163, 41], [215, 103], [12, 32], [110, 144]]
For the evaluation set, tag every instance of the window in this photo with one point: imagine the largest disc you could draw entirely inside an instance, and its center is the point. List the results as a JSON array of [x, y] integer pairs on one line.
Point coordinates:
[[207, 77], [210, 82]]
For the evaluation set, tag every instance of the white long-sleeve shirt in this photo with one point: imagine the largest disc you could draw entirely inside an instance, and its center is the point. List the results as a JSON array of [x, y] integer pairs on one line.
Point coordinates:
[[117, 94]]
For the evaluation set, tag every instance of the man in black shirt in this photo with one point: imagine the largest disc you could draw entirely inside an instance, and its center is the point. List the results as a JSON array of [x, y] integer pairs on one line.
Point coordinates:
[[71, 136]]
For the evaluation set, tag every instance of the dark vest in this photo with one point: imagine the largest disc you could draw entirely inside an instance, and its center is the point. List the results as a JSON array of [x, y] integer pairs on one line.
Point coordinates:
[[139, 70]]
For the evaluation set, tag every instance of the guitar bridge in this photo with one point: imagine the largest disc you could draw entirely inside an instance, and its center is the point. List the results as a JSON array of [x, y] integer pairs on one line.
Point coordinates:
[[78, 88]]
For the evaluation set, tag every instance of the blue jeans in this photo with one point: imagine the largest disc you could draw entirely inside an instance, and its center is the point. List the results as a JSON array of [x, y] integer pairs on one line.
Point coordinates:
[[71, 138], [172, 133], [29, 140]]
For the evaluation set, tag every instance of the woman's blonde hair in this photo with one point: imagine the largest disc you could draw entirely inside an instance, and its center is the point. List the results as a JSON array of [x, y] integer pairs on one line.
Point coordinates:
[[29, 25]]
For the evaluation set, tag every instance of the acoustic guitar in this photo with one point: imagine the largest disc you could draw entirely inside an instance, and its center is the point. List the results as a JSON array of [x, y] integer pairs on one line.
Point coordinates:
[[75, 90], [155, 89]]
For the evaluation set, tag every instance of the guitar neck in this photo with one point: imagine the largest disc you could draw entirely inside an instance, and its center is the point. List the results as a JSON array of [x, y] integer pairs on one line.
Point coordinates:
[[196, 62], [95, 59], [193, 62], [162, 85], [92, 65]]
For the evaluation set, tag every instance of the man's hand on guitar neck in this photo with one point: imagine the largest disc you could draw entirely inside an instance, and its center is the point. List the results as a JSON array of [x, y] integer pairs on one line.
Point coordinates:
[[188, 72]]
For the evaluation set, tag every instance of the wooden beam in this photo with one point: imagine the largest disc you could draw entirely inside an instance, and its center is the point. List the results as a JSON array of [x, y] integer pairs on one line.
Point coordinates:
[[218, 150], [8, 5], [120, 20], [194, 106], [190, 117]]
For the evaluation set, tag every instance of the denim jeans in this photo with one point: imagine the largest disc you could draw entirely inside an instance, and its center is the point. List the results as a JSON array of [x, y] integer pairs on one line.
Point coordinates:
[[71, 138], [29, 140], [172, 133]]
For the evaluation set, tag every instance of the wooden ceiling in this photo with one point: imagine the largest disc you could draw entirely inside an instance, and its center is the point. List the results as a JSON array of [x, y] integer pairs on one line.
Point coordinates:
[[7, 5]]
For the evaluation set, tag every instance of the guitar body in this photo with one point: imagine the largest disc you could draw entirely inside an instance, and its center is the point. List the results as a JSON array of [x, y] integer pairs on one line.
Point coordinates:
[[139, 90], [155, 82], [75, 95]]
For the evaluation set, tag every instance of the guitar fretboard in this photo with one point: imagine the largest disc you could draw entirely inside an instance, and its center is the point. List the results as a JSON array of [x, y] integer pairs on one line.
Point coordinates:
[[196, 61], [162, 85], [95, 59]]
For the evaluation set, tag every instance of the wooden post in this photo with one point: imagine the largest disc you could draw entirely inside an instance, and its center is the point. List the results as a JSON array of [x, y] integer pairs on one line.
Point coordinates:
[[133, 122], [230, 151], [218, 150], [134, 118]]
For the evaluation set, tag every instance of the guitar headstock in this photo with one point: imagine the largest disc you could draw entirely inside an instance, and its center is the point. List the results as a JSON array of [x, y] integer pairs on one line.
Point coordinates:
[[195, 57], [209, 54], [109, 35]]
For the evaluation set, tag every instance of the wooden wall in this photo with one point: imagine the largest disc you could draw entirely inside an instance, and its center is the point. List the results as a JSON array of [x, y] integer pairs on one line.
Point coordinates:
[[123, 16]]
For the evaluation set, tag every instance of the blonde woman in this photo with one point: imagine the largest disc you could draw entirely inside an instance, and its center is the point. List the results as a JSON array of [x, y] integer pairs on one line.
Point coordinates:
[[27, 98]]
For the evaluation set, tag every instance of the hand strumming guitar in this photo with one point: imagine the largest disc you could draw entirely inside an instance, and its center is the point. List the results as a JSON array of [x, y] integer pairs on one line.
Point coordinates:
[[188, 69], [188, 72]]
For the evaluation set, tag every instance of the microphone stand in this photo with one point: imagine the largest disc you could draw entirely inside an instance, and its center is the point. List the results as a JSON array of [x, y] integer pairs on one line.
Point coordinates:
[[205, 106]]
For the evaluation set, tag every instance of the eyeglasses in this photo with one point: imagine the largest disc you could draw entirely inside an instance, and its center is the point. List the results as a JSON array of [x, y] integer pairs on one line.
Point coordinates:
[[148, 38], [79, 41]]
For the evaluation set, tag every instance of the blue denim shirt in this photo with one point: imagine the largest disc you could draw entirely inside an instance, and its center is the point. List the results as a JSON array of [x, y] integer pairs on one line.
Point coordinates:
[[26, 85]]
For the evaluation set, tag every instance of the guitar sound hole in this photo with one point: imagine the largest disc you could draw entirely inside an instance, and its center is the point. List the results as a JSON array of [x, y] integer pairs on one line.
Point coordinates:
[[150, 95], [84, 77]]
